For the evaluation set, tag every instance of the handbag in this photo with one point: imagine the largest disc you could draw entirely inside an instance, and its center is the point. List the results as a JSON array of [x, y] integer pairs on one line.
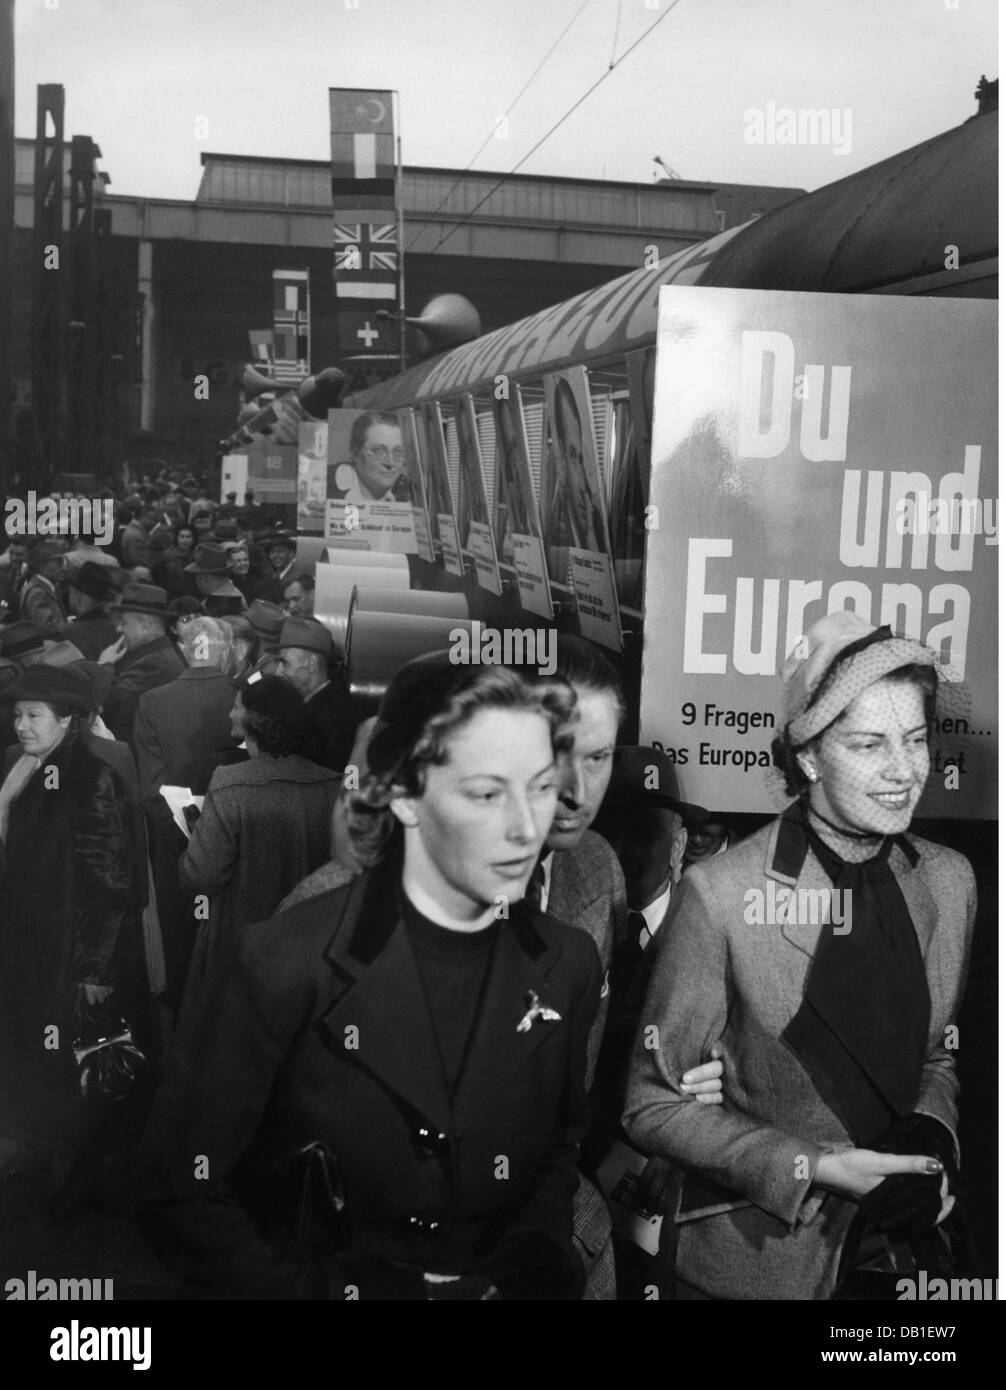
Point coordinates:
[[109, 1063], [874, 1266], [321, 1226]]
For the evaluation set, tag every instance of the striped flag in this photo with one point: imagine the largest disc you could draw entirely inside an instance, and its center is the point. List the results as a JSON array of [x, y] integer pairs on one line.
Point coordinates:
[[363, 148], [291, 325], [365, 228]]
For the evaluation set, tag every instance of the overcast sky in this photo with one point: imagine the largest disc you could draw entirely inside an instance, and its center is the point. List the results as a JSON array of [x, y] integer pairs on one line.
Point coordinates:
[[139, 75]]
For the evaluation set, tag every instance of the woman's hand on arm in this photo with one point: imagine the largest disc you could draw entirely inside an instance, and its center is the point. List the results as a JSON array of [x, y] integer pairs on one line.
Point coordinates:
[[705, 1083], [856, 1172]]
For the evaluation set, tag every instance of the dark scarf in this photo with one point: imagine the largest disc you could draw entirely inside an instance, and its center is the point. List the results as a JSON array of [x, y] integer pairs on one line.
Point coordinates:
[[862, 1029]]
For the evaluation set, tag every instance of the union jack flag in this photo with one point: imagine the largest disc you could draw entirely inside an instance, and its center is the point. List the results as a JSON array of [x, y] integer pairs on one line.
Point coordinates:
[[365, 246]]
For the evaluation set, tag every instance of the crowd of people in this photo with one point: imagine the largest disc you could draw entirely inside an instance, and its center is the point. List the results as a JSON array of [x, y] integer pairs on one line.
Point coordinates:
[[404, 985]]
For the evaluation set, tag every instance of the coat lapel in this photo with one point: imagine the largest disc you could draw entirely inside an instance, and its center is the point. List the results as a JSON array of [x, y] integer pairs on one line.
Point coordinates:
[[384, 999], [785, 867]]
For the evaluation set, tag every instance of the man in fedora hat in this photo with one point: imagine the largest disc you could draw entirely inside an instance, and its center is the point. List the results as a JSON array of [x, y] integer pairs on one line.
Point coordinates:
[[211, 571], [91, 595], [143, 656], [266, 621], [305, 649], [281, 549], [40, 603]]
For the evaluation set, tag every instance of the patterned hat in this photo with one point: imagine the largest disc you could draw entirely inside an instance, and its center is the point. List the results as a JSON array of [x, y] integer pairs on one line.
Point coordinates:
[[839, 658]]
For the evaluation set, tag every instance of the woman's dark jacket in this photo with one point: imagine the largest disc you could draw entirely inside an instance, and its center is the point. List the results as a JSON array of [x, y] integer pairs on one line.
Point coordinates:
[[316, 1030], [68, 901]]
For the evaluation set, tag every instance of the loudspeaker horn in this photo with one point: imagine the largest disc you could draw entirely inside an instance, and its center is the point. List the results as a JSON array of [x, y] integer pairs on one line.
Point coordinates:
[[446, 321], [253, 383]]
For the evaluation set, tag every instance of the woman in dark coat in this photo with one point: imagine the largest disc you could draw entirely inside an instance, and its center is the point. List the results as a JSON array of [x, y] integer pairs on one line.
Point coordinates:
[[265, 822], [68, 908], [386, 1084]]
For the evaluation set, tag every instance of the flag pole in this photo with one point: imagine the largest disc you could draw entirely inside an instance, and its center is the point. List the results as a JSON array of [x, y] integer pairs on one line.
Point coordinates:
[[399, 196]]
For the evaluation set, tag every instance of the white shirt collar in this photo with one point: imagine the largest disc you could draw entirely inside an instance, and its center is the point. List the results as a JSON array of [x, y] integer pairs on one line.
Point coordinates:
[[656, 911], [546, 888]]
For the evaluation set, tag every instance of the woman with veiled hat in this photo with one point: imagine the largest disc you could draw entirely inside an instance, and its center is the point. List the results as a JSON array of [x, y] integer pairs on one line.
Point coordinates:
[[387, 1081], [828, 954], [68, 900]]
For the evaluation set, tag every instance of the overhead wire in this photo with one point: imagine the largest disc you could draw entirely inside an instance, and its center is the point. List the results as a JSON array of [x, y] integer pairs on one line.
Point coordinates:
[[467, 169], [552, 129]]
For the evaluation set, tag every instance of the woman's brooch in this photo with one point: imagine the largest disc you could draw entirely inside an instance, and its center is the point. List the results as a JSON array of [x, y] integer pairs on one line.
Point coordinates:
[[535, 1010]]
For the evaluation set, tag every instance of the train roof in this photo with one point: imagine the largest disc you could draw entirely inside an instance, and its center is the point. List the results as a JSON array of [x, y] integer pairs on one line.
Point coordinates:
[[887, 228]]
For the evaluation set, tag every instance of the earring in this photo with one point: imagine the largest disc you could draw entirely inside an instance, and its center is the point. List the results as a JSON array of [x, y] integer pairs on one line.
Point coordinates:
[[811, 775]]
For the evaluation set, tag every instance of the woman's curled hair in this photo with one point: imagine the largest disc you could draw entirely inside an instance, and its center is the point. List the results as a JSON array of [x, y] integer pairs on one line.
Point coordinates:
[[373, 827], [276, 717]]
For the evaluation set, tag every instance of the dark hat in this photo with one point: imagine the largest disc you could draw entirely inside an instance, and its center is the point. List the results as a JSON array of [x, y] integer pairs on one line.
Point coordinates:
[[265, 666], [231, 496], [144, 598], [21, 639], [55, 685], [101, 678], [275, 538], [224, 603], [43, 551], [266, 618], [226, 530], [419, 690], [643, 776], [184, 607], [306, 633], [210, 559], [93, 579]]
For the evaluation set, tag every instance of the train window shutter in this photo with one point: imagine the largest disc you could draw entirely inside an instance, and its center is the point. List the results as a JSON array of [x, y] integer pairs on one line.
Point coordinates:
[[453, 452], [600, 407], [487, 443], [533, 413]]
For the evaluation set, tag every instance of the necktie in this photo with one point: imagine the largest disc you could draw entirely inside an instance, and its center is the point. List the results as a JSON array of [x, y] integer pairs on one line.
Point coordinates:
[[638, 930]]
